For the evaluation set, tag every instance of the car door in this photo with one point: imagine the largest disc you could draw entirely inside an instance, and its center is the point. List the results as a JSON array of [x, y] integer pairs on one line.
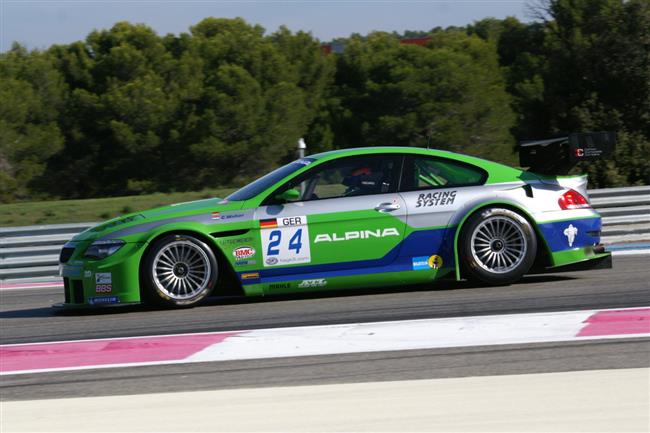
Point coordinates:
[[434, 189], [348, 219]]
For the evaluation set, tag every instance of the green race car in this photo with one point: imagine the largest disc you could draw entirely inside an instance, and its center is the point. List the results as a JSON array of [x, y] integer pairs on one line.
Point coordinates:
[[353, 218]]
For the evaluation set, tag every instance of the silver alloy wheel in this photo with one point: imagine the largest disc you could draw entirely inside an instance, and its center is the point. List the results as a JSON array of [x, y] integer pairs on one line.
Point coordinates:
[[498, 245], [181, 270]]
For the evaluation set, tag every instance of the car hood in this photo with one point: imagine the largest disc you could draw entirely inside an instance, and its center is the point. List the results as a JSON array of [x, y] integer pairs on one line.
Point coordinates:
[[178, 211]]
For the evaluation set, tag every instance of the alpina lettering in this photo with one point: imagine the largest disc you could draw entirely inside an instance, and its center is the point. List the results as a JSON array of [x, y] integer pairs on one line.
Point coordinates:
[[361, 234]]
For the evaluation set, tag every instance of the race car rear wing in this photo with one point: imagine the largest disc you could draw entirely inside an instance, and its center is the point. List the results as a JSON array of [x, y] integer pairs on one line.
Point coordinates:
[[559, 155]]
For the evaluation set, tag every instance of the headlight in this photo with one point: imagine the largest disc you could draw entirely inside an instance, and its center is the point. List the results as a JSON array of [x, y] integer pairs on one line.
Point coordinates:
[[102, 249]]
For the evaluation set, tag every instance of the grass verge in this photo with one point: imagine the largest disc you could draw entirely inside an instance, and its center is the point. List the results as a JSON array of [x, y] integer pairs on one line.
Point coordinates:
[[96, 209]]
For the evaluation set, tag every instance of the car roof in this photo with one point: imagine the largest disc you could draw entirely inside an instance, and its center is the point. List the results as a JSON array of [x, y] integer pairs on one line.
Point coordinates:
[[332, 154], [497, 171], [376, 149]]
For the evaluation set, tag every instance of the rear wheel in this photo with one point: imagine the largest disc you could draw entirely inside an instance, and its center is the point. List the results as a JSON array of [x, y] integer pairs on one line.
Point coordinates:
[[497, 246], [179, 270]]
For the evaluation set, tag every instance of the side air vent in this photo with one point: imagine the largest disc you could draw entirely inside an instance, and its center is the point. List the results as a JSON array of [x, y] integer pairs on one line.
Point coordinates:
[[229, 233]]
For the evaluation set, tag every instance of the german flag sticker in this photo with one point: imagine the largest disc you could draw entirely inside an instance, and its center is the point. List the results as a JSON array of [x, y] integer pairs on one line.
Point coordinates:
[[269, 224], [250, 276]]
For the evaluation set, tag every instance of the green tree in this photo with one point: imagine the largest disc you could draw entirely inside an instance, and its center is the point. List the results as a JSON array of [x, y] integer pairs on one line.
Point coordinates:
[[32, 94], [260, 95], [598, 78], [520, 48], [449, 94]]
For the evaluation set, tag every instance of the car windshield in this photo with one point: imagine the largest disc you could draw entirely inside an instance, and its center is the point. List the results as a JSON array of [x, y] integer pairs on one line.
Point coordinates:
[[261, 184]]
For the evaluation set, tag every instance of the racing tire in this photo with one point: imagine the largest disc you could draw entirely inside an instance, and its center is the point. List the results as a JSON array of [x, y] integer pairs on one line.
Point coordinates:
[[178, 271], [497, 246]]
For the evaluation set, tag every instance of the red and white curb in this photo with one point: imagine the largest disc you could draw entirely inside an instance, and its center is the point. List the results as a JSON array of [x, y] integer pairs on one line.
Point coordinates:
[[325, 340]]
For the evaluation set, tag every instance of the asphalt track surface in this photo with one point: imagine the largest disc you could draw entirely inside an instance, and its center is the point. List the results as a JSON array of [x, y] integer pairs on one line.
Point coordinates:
[[26, 316]]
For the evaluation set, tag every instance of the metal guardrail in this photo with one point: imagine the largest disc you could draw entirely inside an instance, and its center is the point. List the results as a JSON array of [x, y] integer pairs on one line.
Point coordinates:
[[33, 251]]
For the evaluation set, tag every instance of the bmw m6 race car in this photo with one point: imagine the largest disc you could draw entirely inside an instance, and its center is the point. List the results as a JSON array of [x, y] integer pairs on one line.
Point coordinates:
[[354, 218]]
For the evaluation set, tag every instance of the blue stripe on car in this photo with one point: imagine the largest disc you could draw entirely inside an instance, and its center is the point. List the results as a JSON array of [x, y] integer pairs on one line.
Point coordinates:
[[420, 243]]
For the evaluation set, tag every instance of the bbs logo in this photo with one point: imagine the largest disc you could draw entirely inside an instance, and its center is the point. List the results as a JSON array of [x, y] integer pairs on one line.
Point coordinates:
[[103, 288]]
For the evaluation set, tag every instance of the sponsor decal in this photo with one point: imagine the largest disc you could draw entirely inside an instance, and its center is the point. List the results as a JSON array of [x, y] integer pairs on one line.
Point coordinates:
[[235, 241], [230, 216], [97, 300], [420, 263], [358, 234], [226, 216], [103, 278], [245, 262], [271, 261], [321, 282], [88, 274], [570, 233], [304, 161], [279, 286], [424, 263], [439, 198], [250, 276], [103, 288], [435, 262], [242, 253]]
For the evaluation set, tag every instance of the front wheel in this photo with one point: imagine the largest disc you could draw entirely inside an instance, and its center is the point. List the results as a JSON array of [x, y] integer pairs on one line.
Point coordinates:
[[497, 246], [179, 270]]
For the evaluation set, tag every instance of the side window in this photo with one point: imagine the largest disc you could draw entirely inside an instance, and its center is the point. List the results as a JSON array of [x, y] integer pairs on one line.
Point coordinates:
[[423, 172], [345, 177]]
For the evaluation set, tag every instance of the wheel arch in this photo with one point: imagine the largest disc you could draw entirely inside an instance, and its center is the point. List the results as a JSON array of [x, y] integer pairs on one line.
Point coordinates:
[[542, 255], [226, 278]]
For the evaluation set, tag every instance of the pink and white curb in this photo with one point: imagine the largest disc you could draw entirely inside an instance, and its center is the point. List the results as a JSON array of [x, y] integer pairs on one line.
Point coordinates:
[[326, 340], [27, 286]]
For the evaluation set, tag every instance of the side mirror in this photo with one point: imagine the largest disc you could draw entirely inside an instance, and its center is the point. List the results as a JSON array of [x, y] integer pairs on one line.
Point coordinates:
[[291, 194]]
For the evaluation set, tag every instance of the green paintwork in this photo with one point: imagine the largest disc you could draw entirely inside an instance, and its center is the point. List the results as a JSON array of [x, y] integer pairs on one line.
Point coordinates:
[[574, 256], [198, 218]]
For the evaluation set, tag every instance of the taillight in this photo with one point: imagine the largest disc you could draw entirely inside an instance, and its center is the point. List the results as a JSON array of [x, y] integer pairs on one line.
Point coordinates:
[[573, 200]]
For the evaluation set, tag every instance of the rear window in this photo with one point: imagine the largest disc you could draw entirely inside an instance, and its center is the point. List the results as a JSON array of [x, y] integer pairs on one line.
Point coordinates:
[[422, 172]]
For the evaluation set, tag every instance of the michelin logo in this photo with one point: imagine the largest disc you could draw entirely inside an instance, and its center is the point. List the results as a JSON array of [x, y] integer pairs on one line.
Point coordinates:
[[570, 233]]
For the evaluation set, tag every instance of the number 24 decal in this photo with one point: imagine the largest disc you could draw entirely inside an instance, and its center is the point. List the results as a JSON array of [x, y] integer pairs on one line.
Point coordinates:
[[275, 237]]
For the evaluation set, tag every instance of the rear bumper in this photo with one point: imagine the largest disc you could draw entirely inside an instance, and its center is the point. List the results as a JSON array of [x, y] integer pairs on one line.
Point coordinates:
[[594, 258]]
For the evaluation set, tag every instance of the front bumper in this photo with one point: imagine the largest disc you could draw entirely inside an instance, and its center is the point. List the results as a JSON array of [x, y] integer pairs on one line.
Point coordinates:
[[100, 283]]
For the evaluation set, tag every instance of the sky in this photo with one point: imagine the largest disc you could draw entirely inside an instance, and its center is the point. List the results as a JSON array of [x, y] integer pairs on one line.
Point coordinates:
[[41, 23]]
